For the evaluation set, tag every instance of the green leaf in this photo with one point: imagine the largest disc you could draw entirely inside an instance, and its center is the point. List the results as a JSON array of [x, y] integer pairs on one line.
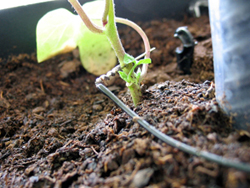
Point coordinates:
[[128, 59], [123, 75], [144, 61], [96, 53], [56, 33]]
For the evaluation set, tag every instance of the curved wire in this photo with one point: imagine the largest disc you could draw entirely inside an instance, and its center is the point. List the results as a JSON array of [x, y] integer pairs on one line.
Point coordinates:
[[167, 139]]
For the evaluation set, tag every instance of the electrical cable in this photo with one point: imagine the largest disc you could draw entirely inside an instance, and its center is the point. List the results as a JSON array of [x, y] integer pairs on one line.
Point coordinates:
[[170, 141]]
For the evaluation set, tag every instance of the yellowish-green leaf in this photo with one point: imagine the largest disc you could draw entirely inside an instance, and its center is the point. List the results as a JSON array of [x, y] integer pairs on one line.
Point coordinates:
[[123, 76], [96, 53], [56, 33], [128, 59]]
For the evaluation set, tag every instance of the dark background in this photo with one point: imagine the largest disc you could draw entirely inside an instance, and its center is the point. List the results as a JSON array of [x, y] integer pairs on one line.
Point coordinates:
[[18, 25]]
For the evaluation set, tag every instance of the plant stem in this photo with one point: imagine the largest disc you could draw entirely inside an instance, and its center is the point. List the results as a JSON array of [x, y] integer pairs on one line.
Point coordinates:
[[90, 25], [112, 34], [135, 91], [105, 13]]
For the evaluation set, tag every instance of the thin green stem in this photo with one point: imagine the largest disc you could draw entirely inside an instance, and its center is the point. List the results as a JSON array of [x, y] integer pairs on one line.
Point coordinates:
[[112, 34], [105, 13], [90, 25], [135, 92], [131, 72]]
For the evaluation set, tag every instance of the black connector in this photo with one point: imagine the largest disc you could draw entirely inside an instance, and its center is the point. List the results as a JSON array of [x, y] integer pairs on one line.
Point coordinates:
[[185, 54]]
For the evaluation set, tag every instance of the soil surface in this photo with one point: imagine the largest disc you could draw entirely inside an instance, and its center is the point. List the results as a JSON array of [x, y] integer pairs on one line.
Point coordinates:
[[58, 130]]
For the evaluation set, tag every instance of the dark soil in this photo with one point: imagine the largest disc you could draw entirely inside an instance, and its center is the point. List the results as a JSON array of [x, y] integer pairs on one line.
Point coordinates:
[[58, 130]]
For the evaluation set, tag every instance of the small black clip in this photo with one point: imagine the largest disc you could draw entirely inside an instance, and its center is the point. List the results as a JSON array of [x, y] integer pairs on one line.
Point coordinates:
[[185, 54]]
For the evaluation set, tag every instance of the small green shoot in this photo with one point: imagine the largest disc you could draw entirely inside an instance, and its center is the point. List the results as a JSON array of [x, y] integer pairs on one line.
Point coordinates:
[[128, 78]]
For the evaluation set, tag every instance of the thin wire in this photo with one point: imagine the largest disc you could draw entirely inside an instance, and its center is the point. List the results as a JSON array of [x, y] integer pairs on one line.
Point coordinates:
[[143, 54], [177, 144]]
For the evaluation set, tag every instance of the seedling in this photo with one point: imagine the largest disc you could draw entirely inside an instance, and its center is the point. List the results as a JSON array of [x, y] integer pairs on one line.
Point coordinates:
[[127, 62], [107, 32]]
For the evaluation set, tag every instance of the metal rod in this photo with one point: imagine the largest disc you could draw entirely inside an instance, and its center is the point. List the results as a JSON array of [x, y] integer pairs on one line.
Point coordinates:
[[142, 55]]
